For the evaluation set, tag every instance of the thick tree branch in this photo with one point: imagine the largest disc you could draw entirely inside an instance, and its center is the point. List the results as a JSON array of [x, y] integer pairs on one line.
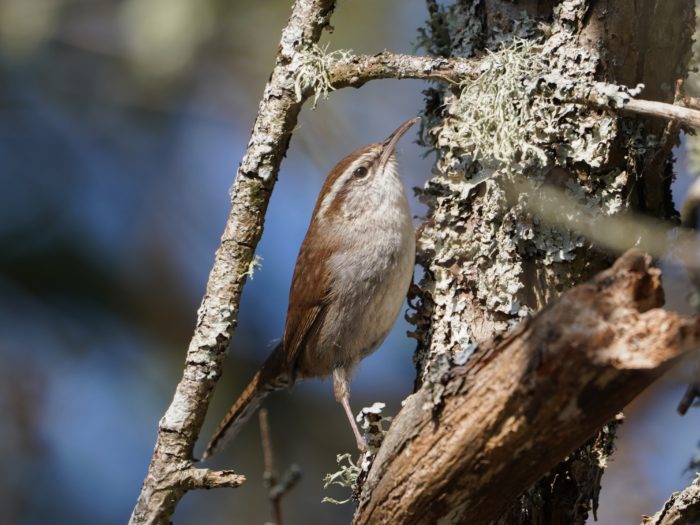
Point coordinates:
[[216, 320], [520, 405], [681, 508], [360, 69]]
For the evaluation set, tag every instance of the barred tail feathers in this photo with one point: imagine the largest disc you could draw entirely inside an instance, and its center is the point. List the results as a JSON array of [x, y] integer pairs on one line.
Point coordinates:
[[272, 376]]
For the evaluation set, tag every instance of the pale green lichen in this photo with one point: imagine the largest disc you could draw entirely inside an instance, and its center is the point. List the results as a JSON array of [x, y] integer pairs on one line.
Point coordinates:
[[346, 477], [255, 264], [451, 30], [350, 476], [570, 13], [311, 71], [374, 426], [521, 114]]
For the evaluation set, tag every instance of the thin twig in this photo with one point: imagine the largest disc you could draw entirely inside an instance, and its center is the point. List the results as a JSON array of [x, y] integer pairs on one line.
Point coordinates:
[[276, 488], [269, 476], [363, 68], [204, 478], [652, 108]]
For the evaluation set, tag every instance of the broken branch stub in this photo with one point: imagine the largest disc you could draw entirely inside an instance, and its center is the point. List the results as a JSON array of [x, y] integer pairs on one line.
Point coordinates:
[[521, 404]]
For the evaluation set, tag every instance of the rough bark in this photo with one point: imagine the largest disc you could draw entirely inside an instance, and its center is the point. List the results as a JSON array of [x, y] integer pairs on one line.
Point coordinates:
[[171, 472], [521, 404], [681, 508], [488, 259]]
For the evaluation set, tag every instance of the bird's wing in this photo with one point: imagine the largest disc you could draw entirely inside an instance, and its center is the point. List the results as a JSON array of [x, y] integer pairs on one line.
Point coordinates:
[[309, 296]]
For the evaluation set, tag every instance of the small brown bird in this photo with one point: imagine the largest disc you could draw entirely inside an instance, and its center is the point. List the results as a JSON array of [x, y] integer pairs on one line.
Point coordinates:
[[351, 276]]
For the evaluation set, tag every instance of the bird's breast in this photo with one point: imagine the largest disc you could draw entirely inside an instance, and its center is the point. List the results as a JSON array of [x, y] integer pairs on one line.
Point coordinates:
[[370, 280]]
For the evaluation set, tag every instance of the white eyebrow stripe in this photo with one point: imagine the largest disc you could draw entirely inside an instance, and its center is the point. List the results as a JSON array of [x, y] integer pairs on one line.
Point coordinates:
[[340, 181]]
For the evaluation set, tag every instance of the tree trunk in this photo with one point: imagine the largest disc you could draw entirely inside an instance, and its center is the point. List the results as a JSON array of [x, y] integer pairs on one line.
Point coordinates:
[[488, 261]]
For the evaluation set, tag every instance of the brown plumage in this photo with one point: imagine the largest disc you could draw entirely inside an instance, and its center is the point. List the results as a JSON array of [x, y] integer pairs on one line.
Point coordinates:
[[351, 275]]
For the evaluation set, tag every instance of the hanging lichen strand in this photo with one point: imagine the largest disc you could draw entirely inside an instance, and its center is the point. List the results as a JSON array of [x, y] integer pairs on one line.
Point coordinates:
[[490, 260]]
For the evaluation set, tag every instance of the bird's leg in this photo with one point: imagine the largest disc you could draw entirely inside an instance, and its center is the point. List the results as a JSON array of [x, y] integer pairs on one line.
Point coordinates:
[[341, 390]]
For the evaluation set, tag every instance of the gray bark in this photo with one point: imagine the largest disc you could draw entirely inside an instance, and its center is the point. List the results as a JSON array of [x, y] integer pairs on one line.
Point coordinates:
[[682, 507]]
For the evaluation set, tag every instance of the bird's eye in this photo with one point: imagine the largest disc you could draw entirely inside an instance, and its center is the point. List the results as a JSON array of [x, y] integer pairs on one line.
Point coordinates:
[[360, 172]]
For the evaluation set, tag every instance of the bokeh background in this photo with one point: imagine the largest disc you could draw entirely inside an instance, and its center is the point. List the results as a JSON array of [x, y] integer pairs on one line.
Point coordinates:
[[121, 127]]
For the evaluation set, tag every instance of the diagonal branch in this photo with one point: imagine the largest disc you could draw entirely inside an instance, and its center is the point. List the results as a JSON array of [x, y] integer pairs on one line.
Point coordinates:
[[522, 404], [171, 472]]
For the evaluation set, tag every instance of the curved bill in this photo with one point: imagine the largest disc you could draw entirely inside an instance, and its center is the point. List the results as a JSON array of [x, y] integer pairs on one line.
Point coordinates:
[[389, 144]]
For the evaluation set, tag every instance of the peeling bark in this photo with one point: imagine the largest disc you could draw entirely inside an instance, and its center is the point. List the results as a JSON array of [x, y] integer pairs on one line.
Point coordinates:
[[521, 404]]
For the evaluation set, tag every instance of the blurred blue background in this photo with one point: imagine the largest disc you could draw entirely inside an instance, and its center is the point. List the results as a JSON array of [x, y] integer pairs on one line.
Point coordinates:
[[121, 127]]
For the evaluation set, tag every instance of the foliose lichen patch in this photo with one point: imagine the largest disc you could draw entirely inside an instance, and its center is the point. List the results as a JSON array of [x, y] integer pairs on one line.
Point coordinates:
[[528, 115]]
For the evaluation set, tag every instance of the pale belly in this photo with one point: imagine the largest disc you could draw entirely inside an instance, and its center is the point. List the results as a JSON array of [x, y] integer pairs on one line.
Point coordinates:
[[365, 308]]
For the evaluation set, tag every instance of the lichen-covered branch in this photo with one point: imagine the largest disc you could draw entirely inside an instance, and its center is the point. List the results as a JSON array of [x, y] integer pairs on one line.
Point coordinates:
[[520, 405], [171, 472], [357, 70], [681, 508]]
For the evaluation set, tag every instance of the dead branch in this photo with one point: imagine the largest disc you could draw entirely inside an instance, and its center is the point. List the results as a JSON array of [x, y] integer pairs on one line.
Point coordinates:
[[171, 471], [568, 371], [681, 508], [651, 108]]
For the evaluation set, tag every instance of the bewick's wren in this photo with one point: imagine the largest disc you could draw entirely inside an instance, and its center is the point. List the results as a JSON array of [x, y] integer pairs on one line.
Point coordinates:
[[351, 276]]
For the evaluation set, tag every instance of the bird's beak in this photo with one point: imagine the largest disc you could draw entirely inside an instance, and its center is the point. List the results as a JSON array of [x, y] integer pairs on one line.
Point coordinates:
[[389, 145]]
